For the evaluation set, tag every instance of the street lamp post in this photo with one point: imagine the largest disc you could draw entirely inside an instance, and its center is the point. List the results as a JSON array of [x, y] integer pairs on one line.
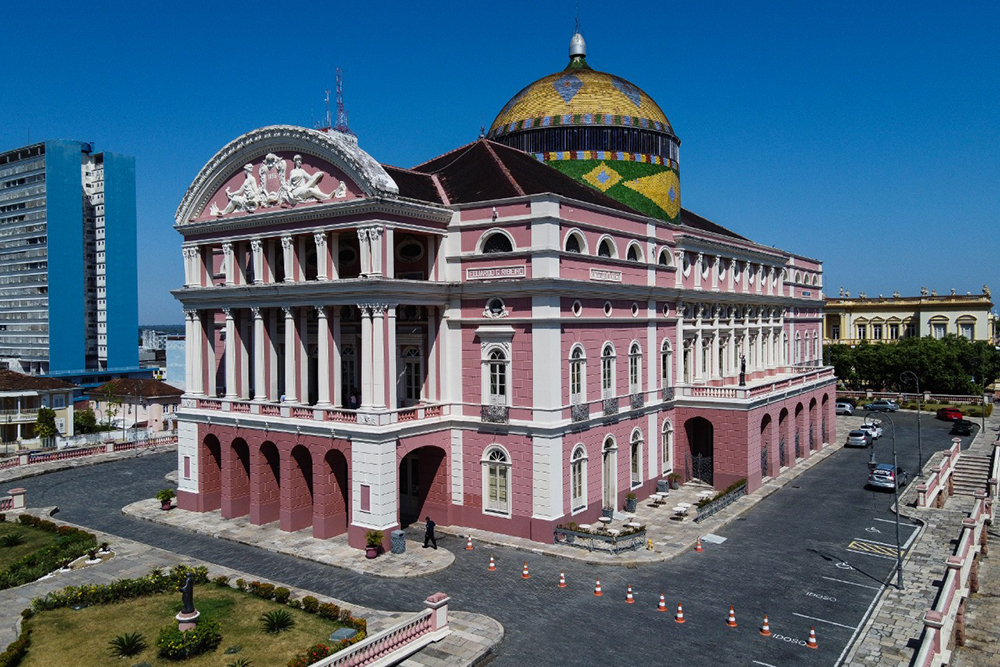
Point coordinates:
[[895, 466], [907, 376]]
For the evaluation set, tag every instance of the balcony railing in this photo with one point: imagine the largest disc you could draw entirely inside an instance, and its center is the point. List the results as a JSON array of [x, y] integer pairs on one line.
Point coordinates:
[[495, 414], [667, 394], [580, 412], [636, 400], [611, 406]]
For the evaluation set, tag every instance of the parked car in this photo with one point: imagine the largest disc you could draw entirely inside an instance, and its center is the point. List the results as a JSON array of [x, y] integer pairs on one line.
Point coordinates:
[[873, 428], [962, 427], [858, 439], [882, 405], [949, 414], [885, 476], [844, 408], [847, 399]]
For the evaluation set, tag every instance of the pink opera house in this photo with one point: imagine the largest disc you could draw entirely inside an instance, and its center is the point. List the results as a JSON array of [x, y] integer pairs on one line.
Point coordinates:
[[513, 335]]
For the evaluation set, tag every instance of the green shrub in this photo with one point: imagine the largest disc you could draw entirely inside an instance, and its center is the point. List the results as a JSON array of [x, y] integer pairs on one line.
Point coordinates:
[[281, 594], [240, 662], [263, 591], [222, 581], [276, 621], [295, 604], [729, 489], [17, 649], [70, 544], [314, 653], [310, 604], [241, 584], [127, 645], [12, 540], [345, 616], [329, 611], [123, 589], [177, 645]]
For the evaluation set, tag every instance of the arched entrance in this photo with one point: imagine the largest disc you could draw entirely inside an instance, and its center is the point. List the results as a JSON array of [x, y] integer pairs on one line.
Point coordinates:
[[265, 484], [799, 430], [423, 485], [210, 475], [783, 438], [297, 510], [813, 444], [766, 428], [609, 472], [824, 410], [236, 479], [332, 495], [701, 446]]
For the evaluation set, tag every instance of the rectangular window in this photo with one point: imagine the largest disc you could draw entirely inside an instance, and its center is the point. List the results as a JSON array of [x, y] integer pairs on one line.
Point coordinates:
[[911, 330], [939, 330], [862, 330], [967, 331], [877, 331], [893, 331], [187, 467], [58, 401], [366, 498]]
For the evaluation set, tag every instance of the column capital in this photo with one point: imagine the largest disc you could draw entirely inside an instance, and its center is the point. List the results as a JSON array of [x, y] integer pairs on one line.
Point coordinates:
[[255, 245], [191, 313], [227, 249], [320, 311], [378, 309], [362, 233], [228, 312], [319, 238], [255, 310], [289, 312], [190, 251], [365, 309], [286, 242]]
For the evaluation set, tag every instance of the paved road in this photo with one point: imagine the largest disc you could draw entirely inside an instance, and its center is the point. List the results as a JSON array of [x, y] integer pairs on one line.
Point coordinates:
[[807, 556]]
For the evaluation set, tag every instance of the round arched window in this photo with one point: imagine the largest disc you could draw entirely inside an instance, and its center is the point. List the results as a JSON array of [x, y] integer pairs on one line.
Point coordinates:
[[496, 243], [410, 249]]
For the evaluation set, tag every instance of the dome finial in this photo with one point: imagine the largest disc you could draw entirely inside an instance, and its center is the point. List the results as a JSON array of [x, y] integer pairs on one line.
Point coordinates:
[[577, 47]]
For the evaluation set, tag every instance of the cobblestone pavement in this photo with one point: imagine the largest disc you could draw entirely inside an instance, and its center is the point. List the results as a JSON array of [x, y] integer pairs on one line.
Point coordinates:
[[982, 637], [33, 470], [472, 637], [891, 637]]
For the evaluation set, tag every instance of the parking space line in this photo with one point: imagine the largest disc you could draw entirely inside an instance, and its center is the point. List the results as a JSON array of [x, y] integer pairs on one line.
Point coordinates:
[[854, 635], [893, 521], [910, 540], [851, 583], [758, 662], [823, 620]]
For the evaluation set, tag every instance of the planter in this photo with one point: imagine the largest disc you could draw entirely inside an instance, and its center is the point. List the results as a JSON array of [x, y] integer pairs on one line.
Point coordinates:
[[371, 552], [165, 505], [599, 542], [630, 504], [608, 512]]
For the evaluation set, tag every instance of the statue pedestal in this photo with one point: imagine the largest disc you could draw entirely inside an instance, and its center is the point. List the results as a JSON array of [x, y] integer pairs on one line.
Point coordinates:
[[187, 622]]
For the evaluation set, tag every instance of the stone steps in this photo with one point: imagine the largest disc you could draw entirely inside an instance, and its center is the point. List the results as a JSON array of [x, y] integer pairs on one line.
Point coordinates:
[[971, 473]]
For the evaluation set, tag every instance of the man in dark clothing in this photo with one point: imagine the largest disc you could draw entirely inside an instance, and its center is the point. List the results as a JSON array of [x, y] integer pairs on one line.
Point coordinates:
[[429, 535]]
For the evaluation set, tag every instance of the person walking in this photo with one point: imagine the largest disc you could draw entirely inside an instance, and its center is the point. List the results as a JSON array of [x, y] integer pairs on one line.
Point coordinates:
[[429, 534]]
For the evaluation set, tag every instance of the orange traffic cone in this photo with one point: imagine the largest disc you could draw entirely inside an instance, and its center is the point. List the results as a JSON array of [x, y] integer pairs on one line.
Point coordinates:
[[663, 604], [524, 574], [697, 545], [731, 622], [597, 589], [766, 628], [812, 639], [468, 546], [562, 580], [628, 597], [680, 613], [493, 566]]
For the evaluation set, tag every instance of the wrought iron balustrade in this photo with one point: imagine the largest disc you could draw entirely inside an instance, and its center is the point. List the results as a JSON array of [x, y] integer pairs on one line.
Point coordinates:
[[495, 414], [580, 412], [611, 406], [636, 401], [668, 394]]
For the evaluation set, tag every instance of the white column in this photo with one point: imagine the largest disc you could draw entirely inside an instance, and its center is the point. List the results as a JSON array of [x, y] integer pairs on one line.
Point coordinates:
[[678, 268], [321, 256], [390, 256], [365, 359], [271, 248], [731, 275], [679, 346], [334, 256], [288, 253], [243, 351], [392, 354], [699, 351], [760, 278], [229, 264], [433, 322], [366, 252], [271, 323], [338, 399], [378, 354], [302, 353], [258, 261], [189, 270], [323, 356], [715, 351], [290, 349], [259, 376], [770, 280], [188, 347], [231, 392], [375, 239], [781, 282], [300, 268], [716, 265], [697, 270]]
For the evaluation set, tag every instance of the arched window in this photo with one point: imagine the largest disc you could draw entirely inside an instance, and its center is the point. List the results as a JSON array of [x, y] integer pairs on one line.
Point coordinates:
[[667, 443], [634, 368], [498, 377], [578, 479], [664, 257], [348, 378], [574, 242], [606, 248], [634, 253], [635, 448], [608, 371], [577, 376], [496, 481], [496, 242], [798, 348], [412, 375], [666, 358], [687, 360]]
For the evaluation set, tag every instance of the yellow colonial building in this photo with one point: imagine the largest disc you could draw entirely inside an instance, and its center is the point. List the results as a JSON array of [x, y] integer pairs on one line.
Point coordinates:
[[849, 320]]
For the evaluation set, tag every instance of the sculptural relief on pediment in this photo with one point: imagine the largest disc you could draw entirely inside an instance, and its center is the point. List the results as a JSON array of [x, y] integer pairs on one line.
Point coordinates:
[[280, 181]]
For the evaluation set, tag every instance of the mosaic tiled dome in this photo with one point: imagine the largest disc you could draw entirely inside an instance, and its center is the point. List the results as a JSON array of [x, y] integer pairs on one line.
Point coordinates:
[[601, 130]]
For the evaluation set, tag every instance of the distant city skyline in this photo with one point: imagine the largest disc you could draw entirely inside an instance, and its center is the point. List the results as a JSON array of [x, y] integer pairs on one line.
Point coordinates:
[[864, 136]]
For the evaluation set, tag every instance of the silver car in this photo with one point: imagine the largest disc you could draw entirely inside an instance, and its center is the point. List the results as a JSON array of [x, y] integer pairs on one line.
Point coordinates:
[[885, 476], [844, 408], [858, 439]]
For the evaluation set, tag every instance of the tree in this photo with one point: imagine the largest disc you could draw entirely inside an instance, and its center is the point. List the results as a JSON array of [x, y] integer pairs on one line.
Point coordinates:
[[85, 421], [45, 423]]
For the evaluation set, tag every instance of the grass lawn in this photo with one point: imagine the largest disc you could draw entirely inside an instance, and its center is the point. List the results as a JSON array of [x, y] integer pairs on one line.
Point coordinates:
[[80, 638], [34, 539]]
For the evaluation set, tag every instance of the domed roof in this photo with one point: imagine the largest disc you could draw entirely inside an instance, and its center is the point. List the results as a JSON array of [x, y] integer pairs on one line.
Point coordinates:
[[579, 95]]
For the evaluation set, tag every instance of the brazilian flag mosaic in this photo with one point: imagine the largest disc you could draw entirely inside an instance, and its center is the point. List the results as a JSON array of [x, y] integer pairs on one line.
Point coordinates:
[[653, 189]]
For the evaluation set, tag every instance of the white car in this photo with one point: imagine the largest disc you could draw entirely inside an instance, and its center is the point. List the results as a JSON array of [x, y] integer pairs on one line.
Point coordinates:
[[874, 428]]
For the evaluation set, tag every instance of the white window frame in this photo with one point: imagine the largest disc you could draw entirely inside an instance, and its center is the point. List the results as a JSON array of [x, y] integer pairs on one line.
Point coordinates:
[[578, 479], [640, 256], [635, 367], [496, 339], [939, 329], [611, 241], [584, 250], [578, 375], [667, 446], [666, 364], [490, 232], [608, 371], [635, 457], [496, 463]]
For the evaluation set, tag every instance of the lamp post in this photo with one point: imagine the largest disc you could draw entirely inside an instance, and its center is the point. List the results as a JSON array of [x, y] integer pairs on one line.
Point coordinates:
[[895, 466], [908, 376]]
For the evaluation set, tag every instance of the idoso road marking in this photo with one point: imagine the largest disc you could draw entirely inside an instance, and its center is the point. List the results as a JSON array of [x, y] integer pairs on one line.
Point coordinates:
[[825, 598]]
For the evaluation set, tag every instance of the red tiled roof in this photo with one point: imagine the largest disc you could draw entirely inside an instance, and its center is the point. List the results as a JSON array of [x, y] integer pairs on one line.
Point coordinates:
[[14, 381], [137, 387]]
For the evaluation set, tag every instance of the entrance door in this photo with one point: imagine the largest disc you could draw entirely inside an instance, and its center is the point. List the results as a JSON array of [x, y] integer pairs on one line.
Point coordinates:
[[609, 496], [409, 488], [700, 435]]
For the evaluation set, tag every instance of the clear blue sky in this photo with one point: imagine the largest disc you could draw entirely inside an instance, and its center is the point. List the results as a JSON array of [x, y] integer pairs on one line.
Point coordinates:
[[865, 134]]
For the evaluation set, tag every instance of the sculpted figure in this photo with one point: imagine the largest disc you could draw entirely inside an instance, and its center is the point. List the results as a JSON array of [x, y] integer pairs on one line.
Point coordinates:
[[187, 595], [302, 186], [244, 199]]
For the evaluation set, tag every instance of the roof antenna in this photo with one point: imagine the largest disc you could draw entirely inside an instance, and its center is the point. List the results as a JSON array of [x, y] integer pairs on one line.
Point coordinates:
[[341, 125], [328, 122]]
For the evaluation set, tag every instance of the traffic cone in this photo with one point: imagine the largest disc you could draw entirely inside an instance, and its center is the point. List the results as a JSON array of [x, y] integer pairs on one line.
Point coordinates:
[[597, 589], [765, 629], [493, 566], [731, 622], [697, 545], [629, 598], [680, 613], [812, 639], [562, 580], [663, 604], [524, 574], [468, 546]]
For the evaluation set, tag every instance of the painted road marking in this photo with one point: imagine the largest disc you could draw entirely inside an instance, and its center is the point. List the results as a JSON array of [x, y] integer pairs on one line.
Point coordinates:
[[713, 539], [758, 662], [825, 598], [844, 565], [823, 620], [884, 544], [789, 640], [854, 635], [851, 583], [873, 529], [873, 549]]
